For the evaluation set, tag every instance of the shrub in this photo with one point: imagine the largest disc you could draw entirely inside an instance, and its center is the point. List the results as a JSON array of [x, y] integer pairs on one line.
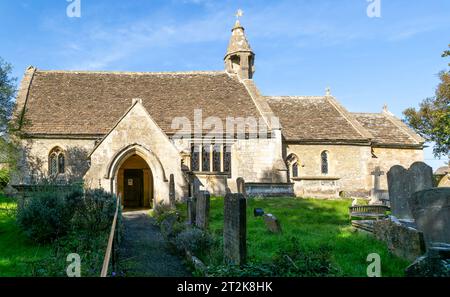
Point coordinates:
[[94, 210], [193, 240], [46, 216]]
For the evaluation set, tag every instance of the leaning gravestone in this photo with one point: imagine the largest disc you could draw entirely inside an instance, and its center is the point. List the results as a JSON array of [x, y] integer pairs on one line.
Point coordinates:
[[235, 229], [272, 223], [202, 209], [431, 212], [403, 183], [172, 191]]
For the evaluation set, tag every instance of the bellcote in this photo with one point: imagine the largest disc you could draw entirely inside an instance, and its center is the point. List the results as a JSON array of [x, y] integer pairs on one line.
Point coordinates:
[[240, 57]]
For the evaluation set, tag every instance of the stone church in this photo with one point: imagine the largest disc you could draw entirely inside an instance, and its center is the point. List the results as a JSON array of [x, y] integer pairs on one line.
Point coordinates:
[[146, 135]]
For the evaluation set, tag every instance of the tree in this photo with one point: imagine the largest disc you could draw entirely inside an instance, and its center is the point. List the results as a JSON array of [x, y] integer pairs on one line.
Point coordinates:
[[432, 120], [7, 94]]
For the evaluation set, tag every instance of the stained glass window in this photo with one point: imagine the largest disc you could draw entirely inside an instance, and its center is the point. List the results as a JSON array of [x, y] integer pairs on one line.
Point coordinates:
[[324, 157], [216, 158], [195, 160], [227, 159], [206, 155]]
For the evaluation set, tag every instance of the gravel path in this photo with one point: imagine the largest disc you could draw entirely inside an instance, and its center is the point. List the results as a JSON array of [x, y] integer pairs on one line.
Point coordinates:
[[143, 251]]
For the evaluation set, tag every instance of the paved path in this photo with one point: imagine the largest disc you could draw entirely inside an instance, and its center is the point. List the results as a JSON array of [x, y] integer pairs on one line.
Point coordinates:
[[143, 251]]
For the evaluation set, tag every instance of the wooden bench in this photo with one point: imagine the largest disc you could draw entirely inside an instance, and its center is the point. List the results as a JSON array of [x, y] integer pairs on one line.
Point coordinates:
[[368, 211]]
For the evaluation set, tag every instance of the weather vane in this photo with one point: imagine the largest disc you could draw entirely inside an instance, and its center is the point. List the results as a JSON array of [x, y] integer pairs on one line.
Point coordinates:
[[239, 13]]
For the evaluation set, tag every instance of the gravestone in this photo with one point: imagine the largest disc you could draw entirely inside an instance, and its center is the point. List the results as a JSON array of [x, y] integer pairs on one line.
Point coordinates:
[[403, 183], [402, 240], [235, 229], [272, 223], [191, 210], [195, 186], [172, 191], [431, 212], [240, 182], [202, 202]]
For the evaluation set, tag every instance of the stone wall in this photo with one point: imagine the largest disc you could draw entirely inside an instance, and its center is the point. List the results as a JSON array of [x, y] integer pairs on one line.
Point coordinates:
[[35, 154], [347, 169]]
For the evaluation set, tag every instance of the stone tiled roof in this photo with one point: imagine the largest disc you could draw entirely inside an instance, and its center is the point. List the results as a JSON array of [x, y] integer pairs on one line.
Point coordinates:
[[388, 130], [442, 170], [87, 103], [316, 119]]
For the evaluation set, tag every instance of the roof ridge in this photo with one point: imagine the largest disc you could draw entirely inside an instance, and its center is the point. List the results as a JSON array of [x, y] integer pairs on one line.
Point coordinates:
[[206, 72], [294, 97], [403, 127]]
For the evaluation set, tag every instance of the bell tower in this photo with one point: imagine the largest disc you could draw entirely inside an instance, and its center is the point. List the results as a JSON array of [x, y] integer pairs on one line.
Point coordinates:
[[240, 58]]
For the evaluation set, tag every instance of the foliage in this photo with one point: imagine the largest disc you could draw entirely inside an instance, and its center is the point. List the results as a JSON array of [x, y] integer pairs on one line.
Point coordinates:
[[46, 216], [4, 178], [432, 120], [7, 93], [94, 211], [194, 240]]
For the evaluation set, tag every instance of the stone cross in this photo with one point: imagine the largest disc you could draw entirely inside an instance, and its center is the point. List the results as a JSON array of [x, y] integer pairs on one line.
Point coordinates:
[[377, 173], [239, 13], [240, 182], [376, 191], [202, 209], [235, 229], [172, 191]]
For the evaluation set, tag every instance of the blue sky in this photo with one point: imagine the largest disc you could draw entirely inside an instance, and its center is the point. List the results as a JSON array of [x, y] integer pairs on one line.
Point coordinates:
[[301, 46]]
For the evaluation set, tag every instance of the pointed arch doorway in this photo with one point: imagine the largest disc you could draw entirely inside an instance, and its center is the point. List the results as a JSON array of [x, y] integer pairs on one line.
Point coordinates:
[[135, 183]]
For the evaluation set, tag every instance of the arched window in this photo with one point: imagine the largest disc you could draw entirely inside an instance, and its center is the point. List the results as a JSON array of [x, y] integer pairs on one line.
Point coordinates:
[[295, 169], [292, 164], [324, 158], [56, 162]]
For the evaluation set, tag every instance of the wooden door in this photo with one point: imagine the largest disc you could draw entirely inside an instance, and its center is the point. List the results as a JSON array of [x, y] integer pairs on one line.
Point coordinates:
[[133, 188]]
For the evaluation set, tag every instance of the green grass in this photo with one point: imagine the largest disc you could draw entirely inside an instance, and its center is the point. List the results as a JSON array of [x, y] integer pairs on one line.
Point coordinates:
[[316, 223], [17, 253]]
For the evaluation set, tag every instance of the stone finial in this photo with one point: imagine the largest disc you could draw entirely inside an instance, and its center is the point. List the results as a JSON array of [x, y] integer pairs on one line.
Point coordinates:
[[328, 92], [385, 108], [134, 100]]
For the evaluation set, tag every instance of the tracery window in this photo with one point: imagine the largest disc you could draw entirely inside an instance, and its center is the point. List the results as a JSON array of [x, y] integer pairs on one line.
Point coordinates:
[[56, 162], [295, 169], [206, 158], [216, 158], [324, 162], [227, 159], [211, 158]]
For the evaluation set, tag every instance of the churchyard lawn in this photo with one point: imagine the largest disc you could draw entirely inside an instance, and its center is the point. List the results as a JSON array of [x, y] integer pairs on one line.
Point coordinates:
[[316, 224], [17, 252]]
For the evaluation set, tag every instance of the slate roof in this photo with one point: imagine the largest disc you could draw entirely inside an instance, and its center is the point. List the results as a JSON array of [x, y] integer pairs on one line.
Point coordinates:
[[388, 130], [315, 119], [88, 103]]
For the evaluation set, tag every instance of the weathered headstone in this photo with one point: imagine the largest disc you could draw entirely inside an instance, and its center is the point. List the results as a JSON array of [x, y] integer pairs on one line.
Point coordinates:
[[195, 186], [240, 182], [402, 240], [172, 191], [235, 229], [431, 212], [403, 183], [191, 207], [272, 223], [202, 209]]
